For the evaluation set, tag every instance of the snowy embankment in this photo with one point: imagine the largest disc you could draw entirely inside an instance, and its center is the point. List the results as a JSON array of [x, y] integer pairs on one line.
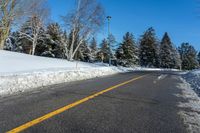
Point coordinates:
[[190, 112], [21, 72], [193, 78]]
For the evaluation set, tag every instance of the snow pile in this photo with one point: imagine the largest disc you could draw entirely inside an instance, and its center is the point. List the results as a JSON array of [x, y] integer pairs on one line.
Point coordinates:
[[20, 82], [193, 78], [12, 62], [190, 108], [21, 72]]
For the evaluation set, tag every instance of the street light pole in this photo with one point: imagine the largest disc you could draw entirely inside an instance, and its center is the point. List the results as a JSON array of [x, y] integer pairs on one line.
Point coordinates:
[[109, 18]]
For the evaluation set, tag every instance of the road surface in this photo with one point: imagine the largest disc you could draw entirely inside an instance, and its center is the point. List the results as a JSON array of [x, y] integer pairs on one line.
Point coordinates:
[[137, 102]]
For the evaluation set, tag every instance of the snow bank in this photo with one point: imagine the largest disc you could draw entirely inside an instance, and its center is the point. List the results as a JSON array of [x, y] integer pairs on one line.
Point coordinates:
[[20, 82], [193, 78], [13, 62], [190, 108], [22, 72]]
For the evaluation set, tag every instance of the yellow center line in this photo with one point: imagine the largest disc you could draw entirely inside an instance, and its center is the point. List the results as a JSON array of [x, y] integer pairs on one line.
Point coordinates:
[[65, 108]]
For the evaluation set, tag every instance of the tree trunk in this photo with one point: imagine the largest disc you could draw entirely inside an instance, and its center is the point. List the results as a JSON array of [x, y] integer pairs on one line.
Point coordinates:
[[33, 48], [76, 49], [2, 44], [30, 51], [70, 57]]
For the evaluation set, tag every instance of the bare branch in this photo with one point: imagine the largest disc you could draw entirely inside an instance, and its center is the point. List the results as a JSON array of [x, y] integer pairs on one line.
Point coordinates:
[[13, 11], [86, 19]]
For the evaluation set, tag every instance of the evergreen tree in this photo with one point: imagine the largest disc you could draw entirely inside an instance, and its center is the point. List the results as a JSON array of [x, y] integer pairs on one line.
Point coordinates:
[[188, 56], [53, 42], [94, 49], [149, 49], [127, 53], [83, 53], [111, 41], [199, 58], [104, 53], [55, 31], [177, 59], [18, 43], [167, 52], [10, 43]]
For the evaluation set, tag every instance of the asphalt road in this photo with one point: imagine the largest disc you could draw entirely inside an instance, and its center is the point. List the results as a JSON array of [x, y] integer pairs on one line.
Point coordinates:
[[144, 105]]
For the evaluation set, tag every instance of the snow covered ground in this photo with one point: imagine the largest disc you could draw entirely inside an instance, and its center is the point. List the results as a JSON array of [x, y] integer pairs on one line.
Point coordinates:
[[21, 72], [193, 78], [190, 108], [190, 112]]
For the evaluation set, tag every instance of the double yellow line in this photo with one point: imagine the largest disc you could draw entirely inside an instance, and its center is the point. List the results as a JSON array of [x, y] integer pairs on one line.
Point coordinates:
[[65, 108]]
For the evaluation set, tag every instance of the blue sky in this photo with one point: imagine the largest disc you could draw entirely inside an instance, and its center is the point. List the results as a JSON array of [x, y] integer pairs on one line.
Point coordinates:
[[180, 18]]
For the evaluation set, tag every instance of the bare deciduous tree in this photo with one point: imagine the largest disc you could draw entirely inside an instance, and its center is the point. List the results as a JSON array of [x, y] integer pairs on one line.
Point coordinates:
[[10, 12], [85, 20], [36, 22], [34, 26], [7, 9]]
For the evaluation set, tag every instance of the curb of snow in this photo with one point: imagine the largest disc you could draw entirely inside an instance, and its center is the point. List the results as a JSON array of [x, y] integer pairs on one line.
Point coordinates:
[[190, 112], [193, 78], [12, 83], [20, 82]]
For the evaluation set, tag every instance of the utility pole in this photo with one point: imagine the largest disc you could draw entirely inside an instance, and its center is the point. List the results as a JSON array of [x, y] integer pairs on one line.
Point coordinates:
[[109, 18]]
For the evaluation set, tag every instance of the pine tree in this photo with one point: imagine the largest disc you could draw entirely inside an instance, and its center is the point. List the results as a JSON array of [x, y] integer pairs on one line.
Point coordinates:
[[94, 50], [177, 59], [198, 58], [188, 56], [149, 49], [55, 31], [104, 53], [167, 59], [53, 42], [83, 53], [111, 41], [127, 53], [18, 43], [10, 43]]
